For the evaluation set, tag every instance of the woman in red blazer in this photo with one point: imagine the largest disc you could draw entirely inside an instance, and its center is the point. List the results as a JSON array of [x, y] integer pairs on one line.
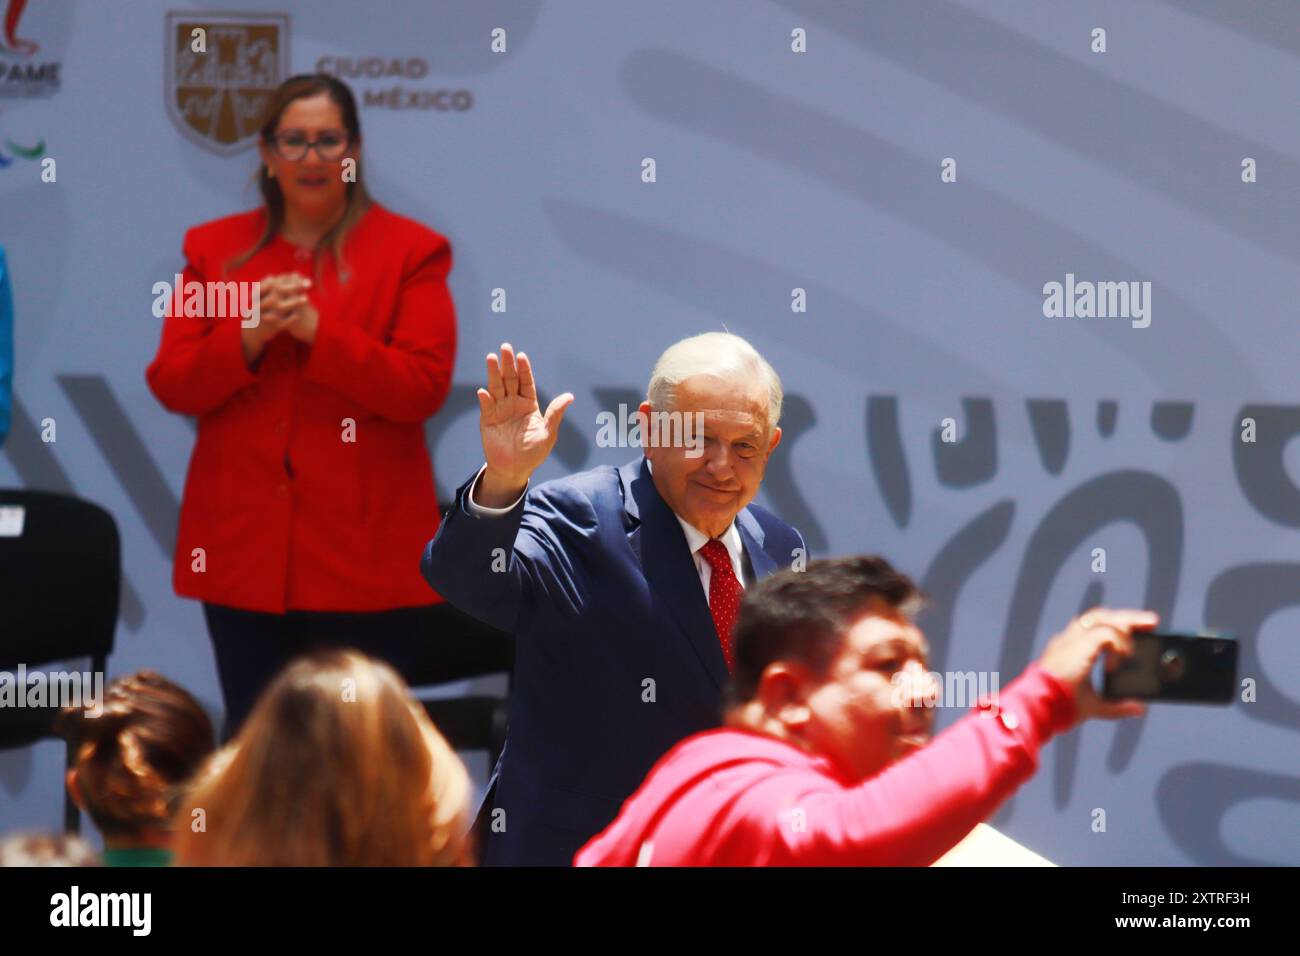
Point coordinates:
[[310, 493]]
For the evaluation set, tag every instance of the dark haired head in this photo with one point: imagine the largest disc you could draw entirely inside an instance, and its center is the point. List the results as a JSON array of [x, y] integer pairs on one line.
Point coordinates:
[[803, 616], [134, 757]]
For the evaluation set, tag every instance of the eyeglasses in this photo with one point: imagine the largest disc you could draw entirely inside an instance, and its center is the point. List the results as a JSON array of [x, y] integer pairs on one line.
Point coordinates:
[[293, 145]]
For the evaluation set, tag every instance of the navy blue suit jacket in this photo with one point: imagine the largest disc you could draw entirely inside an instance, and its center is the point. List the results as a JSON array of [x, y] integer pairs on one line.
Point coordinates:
[[594, 578]]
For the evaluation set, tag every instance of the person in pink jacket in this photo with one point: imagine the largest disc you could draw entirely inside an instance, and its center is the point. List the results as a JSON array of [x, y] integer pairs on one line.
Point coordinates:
[[825, 758]]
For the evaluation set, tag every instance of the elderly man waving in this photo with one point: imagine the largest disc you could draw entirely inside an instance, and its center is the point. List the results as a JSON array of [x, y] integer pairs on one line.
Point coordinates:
[[621, 585]]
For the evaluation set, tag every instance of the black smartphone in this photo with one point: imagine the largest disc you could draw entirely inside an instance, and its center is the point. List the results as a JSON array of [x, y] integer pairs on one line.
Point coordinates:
[[1183, 668]]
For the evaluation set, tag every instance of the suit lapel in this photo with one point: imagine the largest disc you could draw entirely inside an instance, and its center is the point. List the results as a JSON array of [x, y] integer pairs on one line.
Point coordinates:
[[628, 475], [669, 568], [752, 537]]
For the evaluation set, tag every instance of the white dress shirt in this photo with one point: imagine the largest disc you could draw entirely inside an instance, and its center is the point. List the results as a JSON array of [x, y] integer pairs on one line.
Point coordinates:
[[695, 538]]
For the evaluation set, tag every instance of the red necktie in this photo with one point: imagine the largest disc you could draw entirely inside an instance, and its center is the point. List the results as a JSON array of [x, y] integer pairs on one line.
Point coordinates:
[[724, 594]]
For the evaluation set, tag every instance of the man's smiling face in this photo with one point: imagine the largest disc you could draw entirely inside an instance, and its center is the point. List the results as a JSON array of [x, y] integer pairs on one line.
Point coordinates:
[[708, 490]]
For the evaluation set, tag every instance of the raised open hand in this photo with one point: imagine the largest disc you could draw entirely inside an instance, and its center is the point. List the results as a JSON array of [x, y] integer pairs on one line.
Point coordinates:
[[517, 436]]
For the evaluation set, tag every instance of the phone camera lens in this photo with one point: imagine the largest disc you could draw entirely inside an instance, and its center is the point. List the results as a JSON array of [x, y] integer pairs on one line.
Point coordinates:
[[1172, 666]]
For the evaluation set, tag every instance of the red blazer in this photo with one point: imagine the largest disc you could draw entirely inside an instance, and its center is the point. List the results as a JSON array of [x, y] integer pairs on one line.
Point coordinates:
[[288, 514], [740, 798]]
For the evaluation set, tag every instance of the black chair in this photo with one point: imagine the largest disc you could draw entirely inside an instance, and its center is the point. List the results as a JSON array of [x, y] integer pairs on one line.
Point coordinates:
[[60, 581], [462, 648]]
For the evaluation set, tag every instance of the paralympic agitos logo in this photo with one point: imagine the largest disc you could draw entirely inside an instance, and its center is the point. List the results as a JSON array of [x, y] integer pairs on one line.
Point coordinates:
[[22, 152]]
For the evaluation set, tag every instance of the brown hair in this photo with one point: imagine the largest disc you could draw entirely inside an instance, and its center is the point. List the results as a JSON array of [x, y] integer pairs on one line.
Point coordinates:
[[132, 759], [295, 88], [335, 766]]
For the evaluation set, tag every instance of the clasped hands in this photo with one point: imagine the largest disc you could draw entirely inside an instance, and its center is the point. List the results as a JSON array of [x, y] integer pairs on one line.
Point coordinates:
[[283, 307]]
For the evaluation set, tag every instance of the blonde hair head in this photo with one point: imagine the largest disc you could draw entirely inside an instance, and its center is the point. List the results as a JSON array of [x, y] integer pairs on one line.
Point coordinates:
[[336, 766]]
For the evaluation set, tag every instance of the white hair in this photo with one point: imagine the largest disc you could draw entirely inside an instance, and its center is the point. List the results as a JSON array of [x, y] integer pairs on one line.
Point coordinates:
[[713, 353]]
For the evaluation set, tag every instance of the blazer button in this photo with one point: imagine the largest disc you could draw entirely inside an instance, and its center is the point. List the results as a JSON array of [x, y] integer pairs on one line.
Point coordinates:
[[282, 490], [281, 427]]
